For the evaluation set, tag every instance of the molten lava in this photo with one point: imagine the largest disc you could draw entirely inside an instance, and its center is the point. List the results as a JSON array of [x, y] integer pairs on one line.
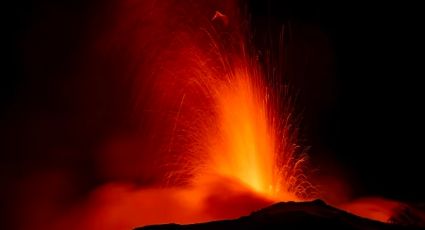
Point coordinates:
[[246, 146], [246, 149], [213, 131], [165, 113]]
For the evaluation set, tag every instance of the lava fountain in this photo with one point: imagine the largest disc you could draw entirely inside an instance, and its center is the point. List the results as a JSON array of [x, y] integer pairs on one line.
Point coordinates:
[[200, 87], [224, 127], [229, 122], [250, 143], [169, 115], [215, 130]]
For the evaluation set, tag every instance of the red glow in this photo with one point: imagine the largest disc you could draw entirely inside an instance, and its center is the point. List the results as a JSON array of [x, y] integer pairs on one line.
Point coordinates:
[[216, 134], [210, 137], [373, 208]]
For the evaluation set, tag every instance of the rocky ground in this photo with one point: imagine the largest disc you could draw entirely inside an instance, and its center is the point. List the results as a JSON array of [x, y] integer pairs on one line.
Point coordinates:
[[302, 215]]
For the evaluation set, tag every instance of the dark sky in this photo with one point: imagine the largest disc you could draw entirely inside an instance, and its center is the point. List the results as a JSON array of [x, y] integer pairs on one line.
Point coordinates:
[[358, 69]]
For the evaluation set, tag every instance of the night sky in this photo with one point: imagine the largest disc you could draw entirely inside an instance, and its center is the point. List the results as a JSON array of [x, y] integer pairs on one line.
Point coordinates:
[[358, 70]]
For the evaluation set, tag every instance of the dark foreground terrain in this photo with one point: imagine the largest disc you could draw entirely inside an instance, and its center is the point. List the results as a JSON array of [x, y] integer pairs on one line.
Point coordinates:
[[292, 215]]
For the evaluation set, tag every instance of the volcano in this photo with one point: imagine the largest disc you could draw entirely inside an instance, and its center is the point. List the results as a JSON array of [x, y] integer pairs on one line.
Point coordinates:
[[304, 215], [236, 114]]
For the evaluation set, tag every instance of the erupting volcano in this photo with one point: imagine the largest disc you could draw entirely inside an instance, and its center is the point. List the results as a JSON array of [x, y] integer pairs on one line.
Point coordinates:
[[186, 121], [212, 132], [232, 125]]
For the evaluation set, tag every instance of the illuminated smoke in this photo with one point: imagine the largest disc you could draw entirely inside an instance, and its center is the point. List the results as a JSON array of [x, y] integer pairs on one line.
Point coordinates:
[[212, 133]]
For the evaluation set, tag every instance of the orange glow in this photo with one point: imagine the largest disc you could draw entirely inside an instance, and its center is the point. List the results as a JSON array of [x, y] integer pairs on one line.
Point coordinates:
[[229, 147], [245, 147], [374, 208], [210, 130], [215, 135]]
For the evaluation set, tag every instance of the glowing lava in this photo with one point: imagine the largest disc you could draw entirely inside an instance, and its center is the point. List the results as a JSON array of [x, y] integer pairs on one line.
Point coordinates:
[[246, 146], [247, 150], [213, 137], [208, 125], [227, 136]]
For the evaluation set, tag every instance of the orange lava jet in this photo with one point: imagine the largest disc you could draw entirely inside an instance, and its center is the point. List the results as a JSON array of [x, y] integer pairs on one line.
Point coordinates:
[[219, 135], [210, 128], [246, 144], [225, 139]]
